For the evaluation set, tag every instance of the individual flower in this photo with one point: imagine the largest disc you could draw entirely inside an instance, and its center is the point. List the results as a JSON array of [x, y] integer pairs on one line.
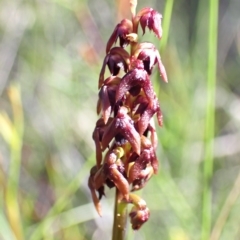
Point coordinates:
[[149, 55], [112, 167], [97, 137], [107, 96], [142, 179], [150, 18], [122, 124], [145, 164], [93, 189], [144, 112], [136, 77], [121, 31], [116, 59]]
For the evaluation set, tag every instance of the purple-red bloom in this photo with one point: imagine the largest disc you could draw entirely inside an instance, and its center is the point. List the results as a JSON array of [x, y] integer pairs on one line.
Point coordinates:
[[149, 55], [136, 77], [122, 124], [116, 59], [107, 96], [121, 31], [125, 136], [150, 18]]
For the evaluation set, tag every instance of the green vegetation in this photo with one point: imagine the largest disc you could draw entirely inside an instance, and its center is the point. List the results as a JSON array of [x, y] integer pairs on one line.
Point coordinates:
[[50, 57]]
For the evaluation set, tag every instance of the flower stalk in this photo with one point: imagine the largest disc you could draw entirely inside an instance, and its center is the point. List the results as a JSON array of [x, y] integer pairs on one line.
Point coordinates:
[[125, 136], [119, 218]]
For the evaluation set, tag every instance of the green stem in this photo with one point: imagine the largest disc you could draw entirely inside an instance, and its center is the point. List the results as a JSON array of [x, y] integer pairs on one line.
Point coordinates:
[[43, 228], [167, 14], [120, 219], [15, 143], [166, 23], [226, 209], [210, 119]]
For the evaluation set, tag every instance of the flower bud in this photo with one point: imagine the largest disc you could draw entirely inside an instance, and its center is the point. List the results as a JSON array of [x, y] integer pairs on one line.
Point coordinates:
[[138, 217]]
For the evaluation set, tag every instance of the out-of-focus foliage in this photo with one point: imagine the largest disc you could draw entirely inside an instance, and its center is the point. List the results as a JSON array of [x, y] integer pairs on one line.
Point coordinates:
[[50, 58]]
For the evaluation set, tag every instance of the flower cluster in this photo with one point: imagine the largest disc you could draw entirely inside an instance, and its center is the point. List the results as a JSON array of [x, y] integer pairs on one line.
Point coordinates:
[[125, 133]]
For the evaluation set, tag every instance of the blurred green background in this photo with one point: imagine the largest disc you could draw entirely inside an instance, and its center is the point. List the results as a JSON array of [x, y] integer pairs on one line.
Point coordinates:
[[51, 53]]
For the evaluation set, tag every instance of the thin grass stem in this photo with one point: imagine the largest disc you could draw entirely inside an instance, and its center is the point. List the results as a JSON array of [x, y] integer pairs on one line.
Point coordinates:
[[42, 229], [210, 119], [225, 211], [13, 134], [166, 22], [165, 26]]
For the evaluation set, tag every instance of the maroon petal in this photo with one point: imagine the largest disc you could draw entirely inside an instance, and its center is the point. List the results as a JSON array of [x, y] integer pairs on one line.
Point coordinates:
[[99, 106], [120, 58], [134, 172], [121, 31], [157, 23], [109, 133], [151, 19], [112, 81], [132, 78], [120, 181], [154, 138], [143, 178], [91, 186], [112, 95], [102, 72], [106, 106], [96, 138], [144, 120], [159, 117], [125, 125], [112, 39], [161, 68], [148, 89], [148, 57], [154, 161], [144, 21]]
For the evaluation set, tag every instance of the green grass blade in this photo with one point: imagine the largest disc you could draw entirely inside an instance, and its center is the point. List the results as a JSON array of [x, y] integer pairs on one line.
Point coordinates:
[[166, 22], [12, 132], [5, 229], [210, 118], [178, 203], [44, 227]]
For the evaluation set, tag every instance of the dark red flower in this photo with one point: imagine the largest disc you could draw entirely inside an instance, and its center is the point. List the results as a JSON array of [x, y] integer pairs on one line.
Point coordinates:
[[150, 18], [111, 171], [125, 132], [97, 137], [116, 59], [122, 124], [107, 96], [146, 112], [136, 77], [121, 31], [149, 55], [93, 190], [143, 178]]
